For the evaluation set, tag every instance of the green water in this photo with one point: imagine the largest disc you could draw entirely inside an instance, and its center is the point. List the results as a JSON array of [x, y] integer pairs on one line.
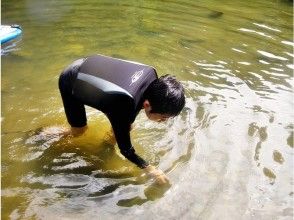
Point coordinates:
[[229, 155]]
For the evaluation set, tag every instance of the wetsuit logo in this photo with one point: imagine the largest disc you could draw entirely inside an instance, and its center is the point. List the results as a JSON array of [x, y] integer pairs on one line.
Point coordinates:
[[137, 75]]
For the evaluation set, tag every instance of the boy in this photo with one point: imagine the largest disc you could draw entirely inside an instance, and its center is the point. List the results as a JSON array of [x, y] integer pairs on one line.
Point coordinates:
[[120, 89]]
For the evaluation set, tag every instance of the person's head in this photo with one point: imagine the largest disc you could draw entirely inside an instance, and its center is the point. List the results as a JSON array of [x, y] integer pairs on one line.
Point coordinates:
[[164, 98]]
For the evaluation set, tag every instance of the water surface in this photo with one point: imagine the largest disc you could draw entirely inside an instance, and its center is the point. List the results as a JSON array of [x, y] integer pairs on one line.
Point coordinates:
[[229, 155]]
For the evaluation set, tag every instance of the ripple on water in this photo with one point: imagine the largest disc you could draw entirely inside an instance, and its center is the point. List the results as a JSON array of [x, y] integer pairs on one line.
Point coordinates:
[[33, 144], [271, 56]]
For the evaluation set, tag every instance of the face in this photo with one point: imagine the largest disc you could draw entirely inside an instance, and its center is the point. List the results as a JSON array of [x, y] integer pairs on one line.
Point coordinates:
[[154, 116], [157, 117]]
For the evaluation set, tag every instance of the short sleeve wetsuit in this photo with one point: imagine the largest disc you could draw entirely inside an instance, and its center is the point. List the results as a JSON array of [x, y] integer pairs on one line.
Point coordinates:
[[114, 86]]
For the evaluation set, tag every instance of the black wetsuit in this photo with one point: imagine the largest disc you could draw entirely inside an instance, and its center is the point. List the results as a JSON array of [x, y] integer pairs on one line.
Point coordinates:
[[113, 86]]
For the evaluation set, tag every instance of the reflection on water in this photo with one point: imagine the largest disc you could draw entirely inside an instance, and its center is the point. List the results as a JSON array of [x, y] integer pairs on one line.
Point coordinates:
[[10, 47], [228, 155]]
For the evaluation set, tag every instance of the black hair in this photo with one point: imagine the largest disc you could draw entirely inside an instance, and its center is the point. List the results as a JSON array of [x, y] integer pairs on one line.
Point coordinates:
[[166, 96]]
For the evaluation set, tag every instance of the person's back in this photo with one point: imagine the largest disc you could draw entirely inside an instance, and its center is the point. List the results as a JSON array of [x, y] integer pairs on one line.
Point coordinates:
[[110, 84]]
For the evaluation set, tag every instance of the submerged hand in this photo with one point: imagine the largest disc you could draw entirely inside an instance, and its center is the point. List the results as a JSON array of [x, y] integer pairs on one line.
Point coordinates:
[[162, 179], [157, 174]]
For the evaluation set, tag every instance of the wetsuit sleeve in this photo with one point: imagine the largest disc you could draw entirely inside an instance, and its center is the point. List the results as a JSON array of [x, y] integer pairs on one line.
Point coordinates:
[[121, 128]]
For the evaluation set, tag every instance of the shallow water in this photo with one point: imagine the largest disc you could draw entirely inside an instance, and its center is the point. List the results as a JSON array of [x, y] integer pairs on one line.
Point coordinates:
[[229, 155]]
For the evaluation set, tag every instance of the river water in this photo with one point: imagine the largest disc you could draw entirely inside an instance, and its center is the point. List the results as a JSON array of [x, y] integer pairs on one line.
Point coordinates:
[[229, 155]]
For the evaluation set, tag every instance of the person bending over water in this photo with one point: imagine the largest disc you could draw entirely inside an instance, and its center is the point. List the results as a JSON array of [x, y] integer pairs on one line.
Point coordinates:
[[120, 89]]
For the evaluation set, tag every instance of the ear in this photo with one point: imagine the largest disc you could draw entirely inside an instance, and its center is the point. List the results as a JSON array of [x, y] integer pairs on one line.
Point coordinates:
[[146, 105]]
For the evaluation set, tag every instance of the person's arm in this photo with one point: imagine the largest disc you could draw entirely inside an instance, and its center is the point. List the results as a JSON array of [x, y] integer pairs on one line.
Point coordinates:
[[109, 137], [121, 129]]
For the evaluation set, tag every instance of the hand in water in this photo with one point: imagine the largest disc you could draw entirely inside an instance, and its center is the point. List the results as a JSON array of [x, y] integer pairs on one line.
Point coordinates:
[[157, 174]]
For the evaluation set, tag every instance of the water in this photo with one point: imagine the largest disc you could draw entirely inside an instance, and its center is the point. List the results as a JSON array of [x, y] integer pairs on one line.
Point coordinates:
[[229, 155]]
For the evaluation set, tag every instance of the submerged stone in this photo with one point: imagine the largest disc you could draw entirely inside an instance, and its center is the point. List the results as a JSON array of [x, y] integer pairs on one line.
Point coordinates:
[[215, 14]]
